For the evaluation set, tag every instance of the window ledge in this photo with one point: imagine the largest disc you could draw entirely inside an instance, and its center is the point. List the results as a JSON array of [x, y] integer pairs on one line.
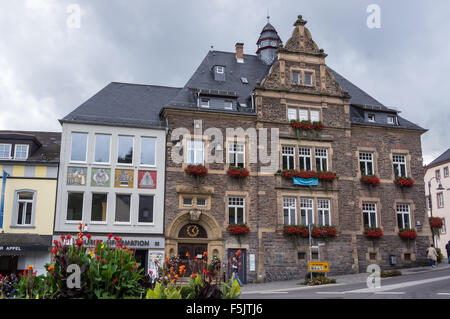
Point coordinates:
[[22, 226]]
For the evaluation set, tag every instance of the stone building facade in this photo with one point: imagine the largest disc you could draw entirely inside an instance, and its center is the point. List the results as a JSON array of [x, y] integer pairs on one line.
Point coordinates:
[[360, 135]]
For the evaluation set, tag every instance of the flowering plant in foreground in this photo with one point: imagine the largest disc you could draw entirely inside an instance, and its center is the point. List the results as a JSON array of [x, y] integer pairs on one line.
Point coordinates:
[[407, 233], [373, 232], [404, 181], [237, 172], [370, 180], [197, 170], [238, 229]]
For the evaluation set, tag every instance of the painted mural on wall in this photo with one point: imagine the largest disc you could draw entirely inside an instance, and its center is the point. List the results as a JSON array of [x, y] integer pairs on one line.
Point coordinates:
[[76, 176], [101, 177], [147, 179], [124, 178]]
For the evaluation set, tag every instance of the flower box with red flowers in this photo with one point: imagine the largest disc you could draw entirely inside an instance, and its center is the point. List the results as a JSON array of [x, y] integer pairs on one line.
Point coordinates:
[[326, 176], [197, 170], [323, 232], [296, 230], [371, 180], [302, 125], [407, 233], [303, 231], [373, 232], [404, 181], [290, 173], [238, 229], [436, 222], [317, 125], [237, 172]]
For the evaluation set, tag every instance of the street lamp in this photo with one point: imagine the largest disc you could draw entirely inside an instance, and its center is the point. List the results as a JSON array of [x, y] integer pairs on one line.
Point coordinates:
[[440, 188]]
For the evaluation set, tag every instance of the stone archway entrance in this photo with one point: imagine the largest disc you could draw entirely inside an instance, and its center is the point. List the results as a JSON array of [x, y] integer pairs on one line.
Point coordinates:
[[195, 234]]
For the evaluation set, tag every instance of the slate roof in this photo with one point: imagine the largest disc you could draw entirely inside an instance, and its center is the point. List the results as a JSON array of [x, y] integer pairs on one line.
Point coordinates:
[[444, 157], [203, 78], [50, 145], [124, 104]]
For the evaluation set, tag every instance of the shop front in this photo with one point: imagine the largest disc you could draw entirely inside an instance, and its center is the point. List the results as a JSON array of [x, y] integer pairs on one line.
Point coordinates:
[[18, 251]]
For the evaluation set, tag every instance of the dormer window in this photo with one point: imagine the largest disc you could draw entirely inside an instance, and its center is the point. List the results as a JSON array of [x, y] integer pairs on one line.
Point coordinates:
[[228, 104], [371, 118], [220, 69], [204, 102], [21, 152], [392, 119], [5, 151]]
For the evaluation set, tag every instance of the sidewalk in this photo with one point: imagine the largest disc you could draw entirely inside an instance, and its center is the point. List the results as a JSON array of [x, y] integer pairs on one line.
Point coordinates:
[[341, 279]]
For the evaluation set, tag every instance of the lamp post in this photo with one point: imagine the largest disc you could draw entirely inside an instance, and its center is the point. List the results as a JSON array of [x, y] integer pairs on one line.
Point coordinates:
[[430, 201]]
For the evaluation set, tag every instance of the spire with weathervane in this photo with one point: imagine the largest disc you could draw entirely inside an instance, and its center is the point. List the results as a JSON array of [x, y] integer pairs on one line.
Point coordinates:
[[268, 43]]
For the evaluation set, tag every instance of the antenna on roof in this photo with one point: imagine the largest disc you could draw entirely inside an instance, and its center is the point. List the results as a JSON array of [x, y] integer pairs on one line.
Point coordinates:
[[268, 16]]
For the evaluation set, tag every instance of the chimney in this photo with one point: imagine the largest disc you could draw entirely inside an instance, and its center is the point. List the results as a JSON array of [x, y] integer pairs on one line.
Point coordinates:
[[240, 52]]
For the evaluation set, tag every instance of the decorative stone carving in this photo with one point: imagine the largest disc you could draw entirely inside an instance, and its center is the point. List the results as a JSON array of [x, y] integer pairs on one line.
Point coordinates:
[[194, 215]]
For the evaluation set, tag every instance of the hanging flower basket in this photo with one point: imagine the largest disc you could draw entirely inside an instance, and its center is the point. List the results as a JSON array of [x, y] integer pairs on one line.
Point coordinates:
[[237, 172], [404, 181], [436, 224], [197, 170], [371, 180], [373, 233]]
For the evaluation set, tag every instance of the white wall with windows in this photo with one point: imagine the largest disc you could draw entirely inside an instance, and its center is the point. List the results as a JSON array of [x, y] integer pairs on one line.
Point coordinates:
[[112, 179]]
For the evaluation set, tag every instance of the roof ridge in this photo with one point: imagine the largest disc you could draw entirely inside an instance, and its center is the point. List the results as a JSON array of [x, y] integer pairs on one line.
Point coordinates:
[[152, 85], [227, 52]]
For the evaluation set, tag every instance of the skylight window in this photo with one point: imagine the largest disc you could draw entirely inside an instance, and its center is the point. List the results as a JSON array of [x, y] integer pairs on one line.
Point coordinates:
[[244, 80]]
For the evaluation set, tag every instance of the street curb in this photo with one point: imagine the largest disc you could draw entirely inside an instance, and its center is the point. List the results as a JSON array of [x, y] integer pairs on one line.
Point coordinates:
[[290, 289]]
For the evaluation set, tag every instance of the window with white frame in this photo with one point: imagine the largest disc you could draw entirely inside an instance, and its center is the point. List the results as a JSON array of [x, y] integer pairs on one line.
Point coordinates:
[[323, 212], [400, 165], [204, 103], [366, 163], [287, 156], [391, 119], [321, 159], [403, 216], [309, 78], [315, 116], [102, 148], [236, 210], [306, 211], [290, 210], [304, 158], [296, 77], [236, 154], [21, 152], [303, 115], [228, 104], [440, 200], [5, 151], [220, 69], [195, 152], [292, 114], [125, 149], [148, 150], [78, 147], [24, 212], [370, 214]]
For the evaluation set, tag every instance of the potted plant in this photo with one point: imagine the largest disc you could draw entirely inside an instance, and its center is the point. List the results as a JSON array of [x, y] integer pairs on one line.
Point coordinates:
[[403, 181], [436, 224], [370, 180], [238, 230], [407, 234]]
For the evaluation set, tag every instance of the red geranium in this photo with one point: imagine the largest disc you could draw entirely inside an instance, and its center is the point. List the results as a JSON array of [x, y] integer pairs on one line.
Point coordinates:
[[373, 232], [318, 126], [238, 172], [196, 170], [238, 229], [303, 231], [404, 181], [436, 222], [370, 180], [407, 233], [302, 125], [326, 176]]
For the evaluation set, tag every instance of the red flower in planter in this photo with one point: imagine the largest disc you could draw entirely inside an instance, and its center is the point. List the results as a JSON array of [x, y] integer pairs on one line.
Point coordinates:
[[436, 222], [326, 176], [238, 229], [303, 125], [197, 170], [303, 231], [318, 126], [370, 180], [407, 233], [373, 232], [404, 181], [238, 172]]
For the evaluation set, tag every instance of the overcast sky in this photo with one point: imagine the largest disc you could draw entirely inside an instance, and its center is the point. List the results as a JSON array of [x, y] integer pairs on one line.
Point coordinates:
[[47, 69]]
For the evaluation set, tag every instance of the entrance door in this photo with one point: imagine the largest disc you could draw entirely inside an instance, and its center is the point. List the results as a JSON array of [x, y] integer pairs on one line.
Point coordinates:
[[242, 260], [141, 258], [194, 250], [8, 265]]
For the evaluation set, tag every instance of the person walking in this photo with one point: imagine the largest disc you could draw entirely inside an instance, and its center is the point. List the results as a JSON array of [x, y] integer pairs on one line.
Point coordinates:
[[447, 247], [235, 271], [432, 256]]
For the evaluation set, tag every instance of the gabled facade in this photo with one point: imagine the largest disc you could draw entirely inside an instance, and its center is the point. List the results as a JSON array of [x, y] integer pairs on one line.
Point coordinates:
[[28, 171], [360, 137]]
